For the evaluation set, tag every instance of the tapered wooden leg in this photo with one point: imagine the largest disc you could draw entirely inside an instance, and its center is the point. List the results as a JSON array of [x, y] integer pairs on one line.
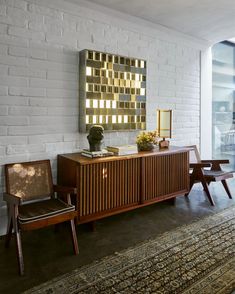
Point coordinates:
[[208, 183], [9, 232], [18, 241], [9, 225], [206, 189], [74, 237], [227, 188], [73, 230], [19, 249], [93, 226], [190, 186], [19, 253]]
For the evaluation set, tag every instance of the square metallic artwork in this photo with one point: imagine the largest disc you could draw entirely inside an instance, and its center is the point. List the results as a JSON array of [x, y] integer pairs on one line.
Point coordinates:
[[112, 91]]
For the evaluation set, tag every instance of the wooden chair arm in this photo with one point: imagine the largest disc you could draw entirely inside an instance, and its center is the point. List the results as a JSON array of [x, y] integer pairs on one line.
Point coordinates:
[[65, 192], [216, 161], [12, 199], [63, 189], [199, 165]]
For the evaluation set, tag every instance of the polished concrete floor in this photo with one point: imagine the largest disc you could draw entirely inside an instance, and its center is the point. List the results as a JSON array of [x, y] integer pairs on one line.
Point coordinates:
[[48, 254]]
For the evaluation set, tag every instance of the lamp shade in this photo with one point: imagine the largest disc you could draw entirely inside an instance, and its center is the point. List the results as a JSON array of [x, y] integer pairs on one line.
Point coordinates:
[[164, 123]]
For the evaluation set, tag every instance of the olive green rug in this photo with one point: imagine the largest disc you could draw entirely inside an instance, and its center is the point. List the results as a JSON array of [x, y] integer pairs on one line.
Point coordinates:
[[196, 258]]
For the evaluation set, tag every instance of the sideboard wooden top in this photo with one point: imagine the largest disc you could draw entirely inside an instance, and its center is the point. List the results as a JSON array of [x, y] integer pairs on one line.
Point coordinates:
[[77, 157]]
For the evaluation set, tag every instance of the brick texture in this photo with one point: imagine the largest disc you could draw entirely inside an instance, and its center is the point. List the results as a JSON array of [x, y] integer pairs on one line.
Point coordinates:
[[39, 64]]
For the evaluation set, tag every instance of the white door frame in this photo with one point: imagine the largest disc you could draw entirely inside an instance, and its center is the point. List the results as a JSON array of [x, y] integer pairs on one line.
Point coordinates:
[[206, 104]]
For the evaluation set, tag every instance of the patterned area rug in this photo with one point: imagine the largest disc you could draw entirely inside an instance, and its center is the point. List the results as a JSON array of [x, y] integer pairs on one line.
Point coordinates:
[[196, 258]]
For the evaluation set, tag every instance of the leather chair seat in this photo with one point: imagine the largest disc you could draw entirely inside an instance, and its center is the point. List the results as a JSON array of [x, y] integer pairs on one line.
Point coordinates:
[[43, 209]]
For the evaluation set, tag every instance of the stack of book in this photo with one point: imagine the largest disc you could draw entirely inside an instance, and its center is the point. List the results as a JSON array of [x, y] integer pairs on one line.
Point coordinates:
[[93, 154], [123, 150]]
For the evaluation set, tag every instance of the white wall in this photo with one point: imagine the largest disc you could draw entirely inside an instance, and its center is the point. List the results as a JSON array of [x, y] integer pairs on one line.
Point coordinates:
[[39, 44]]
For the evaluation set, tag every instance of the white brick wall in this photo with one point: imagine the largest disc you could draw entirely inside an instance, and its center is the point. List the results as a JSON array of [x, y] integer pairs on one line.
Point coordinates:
[[39, 44]]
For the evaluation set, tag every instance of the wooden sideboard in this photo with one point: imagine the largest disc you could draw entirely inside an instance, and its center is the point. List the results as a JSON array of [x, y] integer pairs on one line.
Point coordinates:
[[115, 184]]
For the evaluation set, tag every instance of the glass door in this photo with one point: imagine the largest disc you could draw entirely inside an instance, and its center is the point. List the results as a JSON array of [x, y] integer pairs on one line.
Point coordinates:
[[223, 101]]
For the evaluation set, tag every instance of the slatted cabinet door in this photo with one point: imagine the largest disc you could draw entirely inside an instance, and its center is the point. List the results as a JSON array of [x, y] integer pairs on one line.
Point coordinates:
[[108, 186], [164, 176]]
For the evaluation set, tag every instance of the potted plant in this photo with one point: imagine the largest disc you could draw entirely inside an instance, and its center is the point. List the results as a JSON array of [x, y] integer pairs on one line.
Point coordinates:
[[146, 141]]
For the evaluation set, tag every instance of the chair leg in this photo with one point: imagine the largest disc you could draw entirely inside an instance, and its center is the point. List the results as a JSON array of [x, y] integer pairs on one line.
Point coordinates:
[[9, 232], [18, 244], [74, 237], [10, 212], [19, 253], [206, 189], [208, 183], [227, 188], [190, 186]]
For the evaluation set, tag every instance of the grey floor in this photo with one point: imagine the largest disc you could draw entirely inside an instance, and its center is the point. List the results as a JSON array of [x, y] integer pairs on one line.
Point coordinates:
[[48, 254]]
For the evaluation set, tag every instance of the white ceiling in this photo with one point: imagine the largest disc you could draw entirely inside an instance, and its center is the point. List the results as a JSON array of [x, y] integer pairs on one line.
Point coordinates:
[[211, 20]]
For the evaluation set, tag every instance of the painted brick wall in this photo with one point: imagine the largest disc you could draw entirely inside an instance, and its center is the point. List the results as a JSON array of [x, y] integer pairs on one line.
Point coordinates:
[[39, 44]]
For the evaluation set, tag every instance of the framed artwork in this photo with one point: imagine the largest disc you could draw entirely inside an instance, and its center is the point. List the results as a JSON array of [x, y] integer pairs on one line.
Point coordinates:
[[112, 91]]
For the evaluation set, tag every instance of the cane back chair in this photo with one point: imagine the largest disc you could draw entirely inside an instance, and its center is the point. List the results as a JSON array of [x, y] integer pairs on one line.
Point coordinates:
[[32, 204]]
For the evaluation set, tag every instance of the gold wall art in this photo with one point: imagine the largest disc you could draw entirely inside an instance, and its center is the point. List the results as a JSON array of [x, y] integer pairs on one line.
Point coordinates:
[[112, 91]]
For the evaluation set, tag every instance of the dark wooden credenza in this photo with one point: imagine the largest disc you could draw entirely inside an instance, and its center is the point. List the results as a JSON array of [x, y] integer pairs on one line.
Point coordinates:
[[115, 184]]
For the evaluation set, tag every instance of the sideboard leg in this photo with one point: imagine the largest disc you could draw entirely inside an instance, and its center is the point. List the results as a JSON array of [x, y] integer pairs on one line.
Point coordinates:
[[171, 201], [93, 226]]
